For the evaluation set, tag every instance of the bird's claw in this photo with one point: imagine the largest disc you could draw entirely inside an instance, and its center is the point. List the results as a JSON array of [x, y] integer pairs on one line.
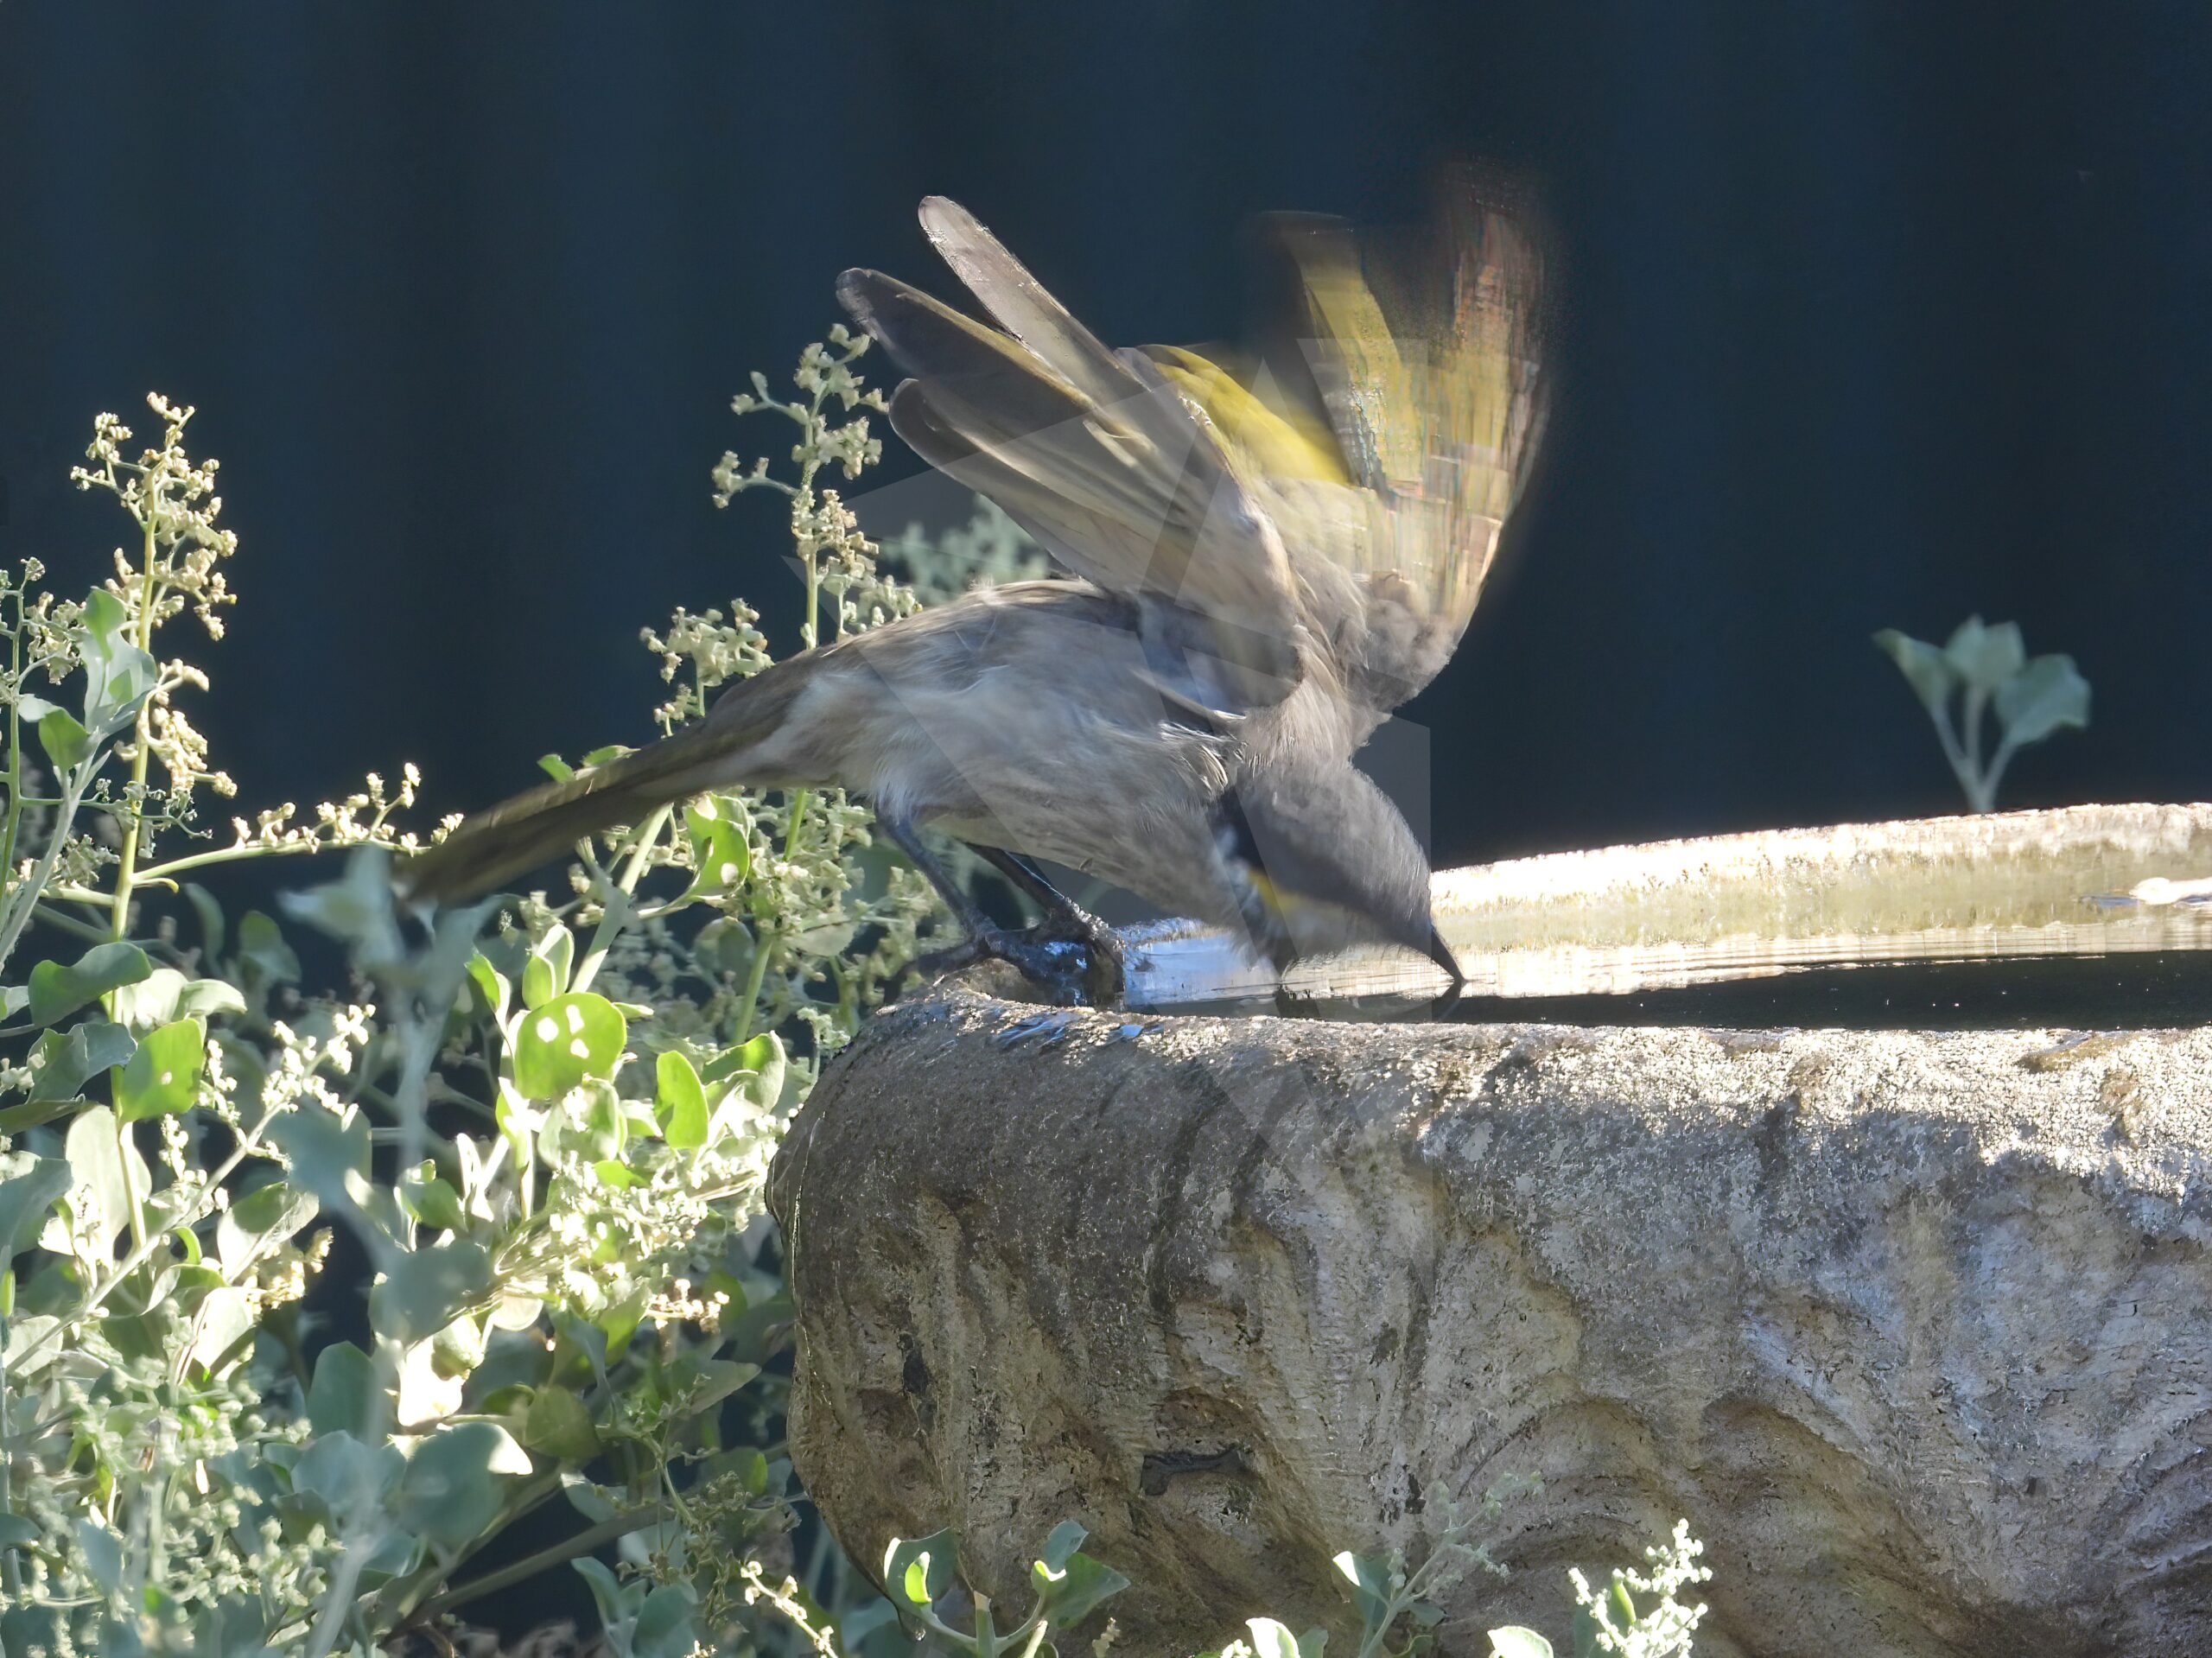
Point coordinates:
[[1072, 972]]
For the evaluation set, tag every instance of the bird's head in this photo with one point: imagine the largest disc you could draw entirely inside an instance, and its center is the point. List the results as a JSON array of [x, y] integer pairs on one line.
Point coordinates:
[[1328, 863]]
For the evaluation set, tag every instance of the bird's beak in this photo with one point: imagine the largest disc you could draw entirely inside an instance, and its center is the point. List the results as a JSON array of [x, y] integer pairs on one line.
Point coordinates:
[[1441, 953]]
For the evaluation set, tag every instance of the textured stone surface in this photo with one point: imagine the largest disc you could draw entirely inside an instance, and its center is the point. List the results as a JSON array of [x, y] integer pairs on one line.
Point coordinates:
[[1915, 1329]]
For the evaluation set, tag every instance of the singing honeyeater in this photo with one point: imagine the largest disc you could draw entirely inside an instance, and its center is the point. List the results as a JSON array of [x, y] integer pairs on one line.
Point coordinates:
[[1265, 552]]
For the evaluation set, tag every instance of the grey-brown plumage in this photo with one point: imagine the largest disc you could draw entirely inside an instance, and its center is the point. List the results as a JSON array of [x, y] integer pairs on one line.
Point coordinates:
[[1265, 560]]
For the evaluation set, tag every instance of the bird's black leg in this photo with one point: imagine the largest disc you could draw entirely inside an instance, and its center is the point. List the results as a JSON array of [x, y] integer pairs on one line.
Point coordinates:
[[1046, 963], [1064, 916]]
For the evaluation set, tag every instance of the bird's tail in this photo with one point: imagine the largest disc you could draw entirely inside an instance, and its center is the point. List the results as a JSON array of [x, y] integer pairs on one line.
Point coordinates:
[[516, 835]]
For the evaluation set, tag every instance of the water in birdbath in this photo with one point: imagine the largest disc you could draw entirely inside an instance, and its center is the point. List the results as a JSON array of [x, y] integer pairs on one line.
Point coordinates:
[[2091, 917]]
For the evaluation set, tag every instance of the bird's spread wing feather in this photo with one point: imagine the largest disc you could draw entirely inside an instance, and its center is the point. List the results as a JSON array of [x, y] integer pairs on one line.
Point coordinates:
[[1424, 351], [1096, 454], [1326, 512]]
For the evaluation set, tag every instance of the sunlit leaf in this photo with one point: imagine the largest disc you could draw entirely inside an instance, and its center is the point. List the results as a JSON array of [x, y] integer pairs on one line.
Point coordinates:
[[1077, 1588], [1516, 1640], [66, 743], [58, 991], [163, 1076], [101, 1180], [1271, 1639], [166, 994], [916, 1572], [679, 1102], [564, 1041]]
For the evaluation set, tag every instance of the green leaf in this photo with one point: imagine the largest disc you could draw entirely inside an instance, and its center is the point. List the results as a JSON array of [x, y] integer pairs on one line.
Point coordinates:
[[606, 1590], [1624, 1606], [102, 1182], [118, 673], [328, 1153], [164, 1077], [495, 989], [430, 1200], [1516, 1640], [425, 1290], [267, 1215], [261, 946], [33, 1185], [564, 1041], [348, 1479], [345, 1397], [16, 1532], [725, 945], [1926, 669], [559, 1425], [456, 1482], [101, 1551], [210, 914], [1066, 1538], [2047, 693], [58, 991], [1983, 655], [719, 846], [1271, 1639], [66, 743], [61, 1065], [917, 1572], [679, 1102], [751, 1074], [1370, 1577], [1075, 1590], [545, 969], [1586, 1629], [555, 767], [223, 1321], [165, 994], [664, 1628]]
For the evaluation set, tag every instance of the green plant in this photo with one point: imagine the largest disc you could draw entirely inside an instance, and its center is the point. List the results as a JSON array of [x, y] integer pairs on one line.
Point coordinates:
[[548, 1143], [929, 1598], [1986, 667]]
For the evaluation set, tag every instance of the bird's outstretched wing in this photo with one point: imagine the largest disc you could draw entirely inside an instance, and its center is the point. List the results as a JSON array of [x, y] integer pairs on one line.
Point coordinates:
[[1326, 512], [1096, 454], [1423, 350]]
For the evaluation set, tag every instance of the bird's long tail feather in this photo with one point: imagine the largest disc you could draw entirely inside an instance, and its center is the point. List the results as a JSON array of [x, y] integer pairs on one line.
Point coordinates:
[[537, 826]]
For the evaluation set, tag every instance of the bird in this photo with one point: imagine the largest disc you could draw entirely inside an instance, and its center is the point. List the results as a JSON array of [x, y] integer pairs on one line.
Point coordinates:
[[1261, 552]]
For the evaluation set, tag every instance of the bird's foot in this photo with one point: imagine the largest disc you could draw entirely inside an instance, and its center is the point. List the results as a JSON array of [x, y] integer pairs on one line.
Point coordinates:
[[1072, 972]]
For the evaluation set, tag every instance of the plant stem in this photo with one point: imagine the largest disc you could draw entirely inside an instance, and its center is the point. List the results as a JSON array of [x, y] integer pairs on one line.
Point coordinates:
[[614, 916], [23, 898], [583, 1542], [127, 863], [14, 768]]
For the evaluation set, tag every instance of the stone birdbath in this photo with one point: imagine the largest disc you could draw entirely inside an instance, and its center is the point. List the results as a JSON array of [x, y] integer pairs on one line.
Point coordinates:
[[1914, 1326]]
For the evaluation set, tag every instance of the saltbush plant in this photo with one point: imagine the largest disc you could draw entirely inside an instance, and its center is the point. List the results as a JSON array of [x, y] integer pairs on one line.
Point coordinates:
[[543, 1128], [1983, 669], [307, 1301]]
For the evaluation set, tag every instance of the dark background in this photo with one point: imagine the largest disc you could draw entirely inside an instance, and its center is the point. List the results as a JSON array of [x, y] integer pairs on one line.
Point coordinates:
[[1875, 315]]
